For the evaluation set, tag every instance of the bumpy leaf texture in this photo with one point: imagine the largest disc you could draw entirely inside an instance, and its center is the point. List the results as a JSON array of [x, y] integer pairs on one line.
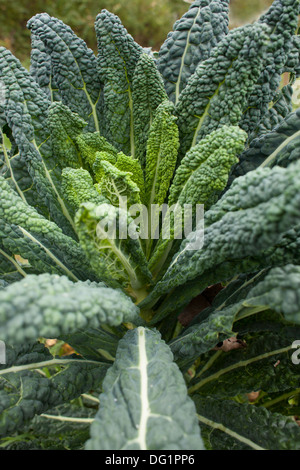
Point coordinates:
[[266, 208], [230, 425], [191, 42], [279, 146], [25, 111], [144, 404], [217, 93], [117, 59], [282, 18], [26, 391], [64, 127], [43, 236], [116, 257], [70, 65], [78, 187], [50, 306], [277, 291], [148, 93]]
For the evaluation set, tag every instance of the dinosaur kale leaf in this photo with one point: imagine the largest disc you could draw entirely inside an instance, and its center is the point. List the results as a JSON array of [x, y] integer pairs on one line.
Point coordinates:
[[144, 400], [150, 236]]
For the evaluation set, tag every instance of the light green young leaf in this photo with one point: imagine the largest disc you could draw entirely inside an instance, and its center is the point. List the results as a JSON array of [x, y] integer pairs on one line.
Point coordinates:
[[132, 166], [161, 157], [117, 186], [122, 163], [92, 142], [162, 148], [64, 127], [110, 239], [147, 94], [98, 169], [144, 404], [200, 178], [203, 172], [78, 187]]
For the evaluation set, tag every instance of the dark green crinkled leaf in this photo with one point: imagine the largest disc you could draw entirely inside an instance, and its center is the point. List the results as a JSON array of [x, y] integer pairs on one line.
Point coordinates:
[[63, 427], [41, 68], [292, 64], [60, 249], [3, 284], [36, 258], [277, 290], [229, 425], [251, 368], [63, 130], [279, 109], [285, 251], [25, 390], [94, 343], [144, 404], [236, 228], [50, 306], [217, 93], [25, 111], [117, 59], [73, 67], [282, 18], [10, 270], [286, 403], [65, 127], [191, 42], [280, 146], [280, 290], [14, 170]]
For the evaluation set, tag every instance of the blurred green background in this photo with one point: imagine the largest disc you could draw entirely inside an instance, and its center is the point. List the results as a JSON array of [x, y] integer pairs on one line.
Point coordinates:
[[148, 21]]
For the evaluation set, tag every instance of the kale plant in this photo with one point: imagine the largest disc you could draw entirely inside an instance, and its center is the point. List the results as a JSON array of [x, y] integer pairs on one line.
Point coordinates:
[[159, 360]]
